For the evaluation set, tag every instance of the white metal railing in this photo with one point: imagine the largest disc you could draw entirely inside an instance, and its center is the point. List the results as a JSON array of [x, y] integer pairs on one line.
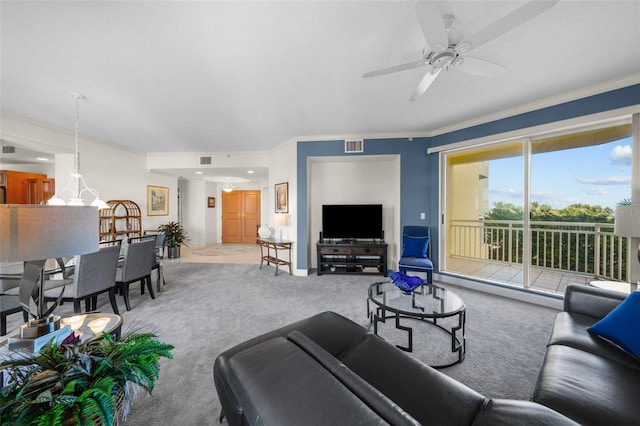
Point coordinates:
[[577, 247]]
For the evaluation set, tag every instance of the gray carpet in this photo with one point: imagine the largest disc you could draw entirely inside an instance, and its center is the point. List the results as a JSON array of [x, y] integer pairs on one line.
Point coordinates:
[[207, 308]]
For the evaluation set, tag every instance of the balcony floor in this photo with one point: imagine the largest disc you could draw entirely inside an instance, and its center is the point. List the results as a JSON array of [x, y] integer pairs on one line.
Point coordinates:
[[542, 279]]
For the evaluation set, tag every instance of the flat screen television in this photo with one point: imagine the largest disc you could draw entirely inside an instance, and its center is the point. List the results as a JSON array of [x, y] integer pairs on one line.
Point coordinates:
[[352, 221]]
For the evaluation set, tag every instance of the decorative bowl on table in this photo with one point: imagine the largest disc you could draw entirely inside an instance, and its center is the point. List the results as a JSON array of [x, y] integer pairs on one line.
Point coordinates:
[[407, 284]]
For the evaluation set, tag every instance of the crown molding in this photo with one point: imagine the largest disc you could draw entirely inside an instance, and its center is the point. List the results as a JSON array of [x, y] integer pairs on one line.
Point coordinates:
[[573, 95]]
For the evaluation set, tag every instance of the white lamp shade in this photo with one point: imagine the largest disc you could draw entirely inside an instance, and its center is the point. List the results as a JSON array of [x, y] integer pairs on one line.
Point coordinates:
[[37, 232], [627, 220], [280, 219]]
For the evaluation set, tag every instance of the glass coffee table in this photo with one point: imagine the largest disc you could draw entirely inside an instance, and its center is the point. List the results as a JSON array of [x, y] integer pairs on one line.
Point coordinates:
[[428, 303]]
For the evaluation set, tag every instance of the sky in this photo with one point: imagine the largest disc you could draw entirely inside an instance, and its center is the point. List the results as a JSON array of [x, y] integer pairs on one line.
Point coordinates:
[[595, 175]]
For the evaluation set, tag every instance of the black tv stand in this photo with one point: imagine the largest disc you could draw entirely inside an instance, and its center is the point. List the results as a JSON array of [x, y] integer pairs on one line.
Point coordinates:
[[352, 257], [347, 242]]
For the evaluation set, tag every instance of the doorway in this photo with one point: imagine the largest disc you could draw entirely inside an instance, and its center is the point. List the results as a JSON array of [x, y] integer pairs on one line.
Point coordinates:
[[240, 216]]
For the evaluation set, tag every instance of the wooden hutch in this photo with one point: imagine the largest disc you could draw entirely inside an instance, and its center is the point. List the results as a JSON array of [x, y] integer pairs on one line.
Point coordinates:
[[121, 220]]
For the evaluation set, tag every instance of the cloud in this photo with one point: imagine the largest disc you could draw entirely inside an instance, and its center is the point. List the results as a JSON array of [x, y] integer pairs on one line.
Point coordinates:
[[506, 192], [597, 191], [607, 180], [621, 154], [554, 200]]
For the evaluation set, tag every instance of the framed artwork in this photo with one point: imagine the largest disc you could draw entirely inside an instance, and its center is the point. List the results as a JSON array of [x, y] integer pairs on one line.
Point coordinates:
[[157, 200], [282, 197], [211, 202]]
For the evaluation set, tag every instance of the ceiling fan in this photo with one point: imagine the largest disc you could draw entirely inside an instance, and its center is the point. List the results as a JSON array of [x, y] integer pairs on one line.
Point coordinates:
[[444, 51]]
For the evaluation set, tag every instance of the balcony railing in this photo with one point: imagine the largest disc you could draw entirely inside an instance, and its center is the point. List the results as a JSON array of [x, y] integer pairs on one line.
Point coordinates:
[[576, 247]]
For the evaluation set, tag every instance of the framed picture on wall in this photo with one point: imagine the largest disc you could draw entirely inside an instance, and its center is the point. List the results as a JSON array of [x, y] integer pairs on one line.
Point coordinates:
[[282, 197], [211, 202], [157, 200]]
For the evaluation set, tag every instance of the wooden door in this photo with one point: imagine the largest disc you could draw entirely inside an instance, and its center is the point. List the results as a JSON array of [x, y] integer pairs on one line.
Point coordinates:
[[231, 221], [250, 215], [39, 190], [240, 216]]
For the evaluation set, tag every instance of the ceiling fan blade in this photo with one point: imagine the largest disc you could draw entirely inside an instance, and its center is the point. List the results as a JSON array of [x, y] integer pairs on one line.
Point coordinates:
[[396, 68], [424, 84], [432, 25], [480, 67], [505, 24]]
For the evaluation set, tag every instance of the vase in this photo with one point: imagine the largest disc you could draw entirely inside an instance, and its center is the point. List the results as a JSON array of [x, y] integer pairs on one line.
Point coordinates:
[[173, 252], [264, 232], [407, 284]]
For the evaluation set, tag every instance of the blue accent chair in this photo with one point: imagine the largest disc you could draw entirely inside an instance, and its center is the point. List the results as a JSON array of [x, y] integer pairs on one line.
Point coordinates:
[[414, 257]]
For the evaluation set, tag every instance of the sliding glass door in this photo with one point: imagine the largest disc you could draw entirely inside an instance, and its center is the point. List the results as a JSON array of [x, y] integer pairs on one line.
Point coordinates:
[[537, 212], [576, 181], [484, 210]]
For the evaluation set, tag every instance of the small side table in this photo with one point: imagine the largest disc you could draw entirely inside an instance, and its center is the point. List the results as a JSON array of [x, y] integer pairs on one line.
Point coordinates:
[[105, 322], [275, 244], [614, 285]]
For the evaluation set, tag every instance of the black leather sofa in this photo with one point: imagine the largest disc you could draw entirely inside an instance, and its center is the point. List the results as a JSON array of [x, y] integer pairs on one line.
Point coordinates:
[[583, 376], [328, 370]]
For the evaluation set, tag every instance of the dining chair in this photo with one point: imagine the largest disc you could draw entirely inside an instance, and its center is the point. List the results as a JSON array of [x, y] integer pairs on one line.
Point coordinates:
[[139, 255], [10, 283], [158, 261], [94, 274], [415, 248]]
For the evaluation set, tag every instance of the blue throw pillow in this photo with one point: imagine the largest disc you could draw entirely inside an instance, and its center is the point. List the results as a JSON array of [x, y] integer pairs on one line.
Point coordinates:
[[414, 246], [620, 326]]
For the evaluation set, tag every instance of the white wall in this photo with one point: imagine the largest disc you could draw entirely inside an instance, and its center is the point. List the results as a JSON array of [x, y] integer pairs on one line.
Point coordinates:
[[355, 180], [211, 214], [116, 173], [282, 168], [194, 217]]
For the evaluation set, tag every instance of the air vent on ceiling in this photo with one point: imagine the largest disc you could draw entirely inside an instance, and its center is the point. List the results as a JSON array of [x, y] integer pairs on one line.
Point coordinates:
[[205, 160], [8, 149], [355, 145]]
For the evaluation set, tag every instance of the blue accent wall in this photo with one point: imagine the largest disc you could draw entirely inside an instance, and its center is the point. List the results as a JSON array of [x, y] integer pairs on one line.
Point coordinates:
[[614, 99], [415, 188], [419, 172]]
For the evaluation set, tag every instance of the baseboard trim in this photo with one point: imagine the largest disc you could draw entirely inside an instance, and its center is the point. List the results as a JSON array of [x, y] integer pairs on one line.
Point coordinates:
[[525, 295]]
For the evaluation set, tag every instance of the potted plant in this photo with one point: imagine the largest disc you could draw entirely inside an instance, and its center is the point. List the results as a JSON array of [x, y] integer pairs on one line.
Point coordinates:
[[80, 383], [176, 236]]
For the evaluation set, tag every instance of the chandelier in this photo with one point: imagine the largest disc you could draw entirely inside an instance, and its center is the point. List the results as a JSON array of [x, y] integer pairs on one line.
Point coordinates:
[[76, 185]]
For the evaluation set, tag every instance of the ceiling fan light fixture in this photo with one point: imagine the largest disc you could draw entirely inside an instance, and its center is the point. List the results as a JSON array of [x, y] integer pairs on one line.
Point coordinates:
[[438, 48], [457, 61], [449, 21], [462, 47]]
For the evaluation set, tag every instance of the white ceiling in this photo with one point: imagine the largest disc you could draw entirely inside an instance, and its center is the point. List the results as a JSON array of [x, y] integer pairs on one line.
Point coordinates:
[[212, 76]]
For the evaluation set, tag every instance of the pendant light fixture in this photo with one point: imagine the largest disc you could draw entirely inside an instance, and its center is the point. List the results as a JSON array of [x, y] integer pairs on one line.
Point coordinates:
[[227, 186], [76, 185]]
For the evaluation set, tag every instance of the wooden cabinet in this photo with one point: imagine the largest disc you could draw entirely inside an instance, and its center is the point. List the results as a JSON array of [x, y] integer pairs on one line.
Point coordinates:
[[39, 190], [26, 188], [365, 257], [121, 220]]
